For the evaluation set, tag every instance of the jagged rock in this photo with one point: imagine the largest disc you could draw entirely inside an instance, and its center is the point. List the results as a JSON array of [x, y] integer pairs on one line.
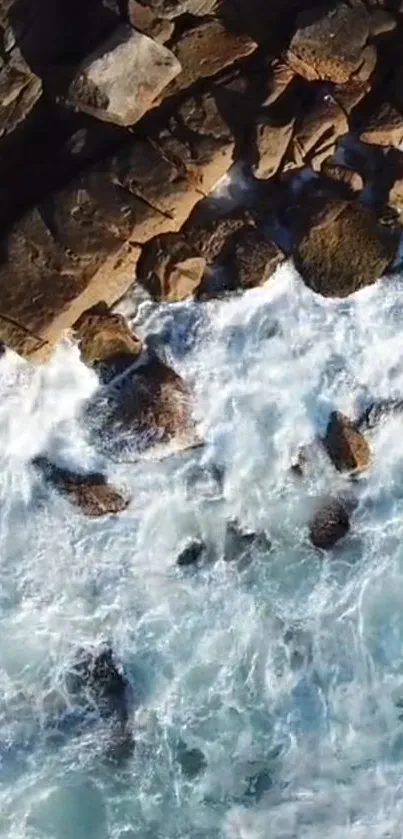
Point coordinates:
[[345, 444], [96, 678], [384, 127], [169, 269], [343, 252], [191, 552], [105, 337], [329, 524], [208, 235], [206, 50], [154, 403], [20, 89], [330, 40], [272, 141], [341, 174], [91, 492], [281, 77], [252, 258], [121, 80], [316, 134], [175, 8], [144, 19]]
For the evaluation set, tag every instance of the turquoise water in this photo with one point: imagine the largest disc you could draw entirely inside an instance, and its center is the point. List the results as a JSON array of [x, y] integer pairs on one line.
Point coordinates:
[[286, 672]]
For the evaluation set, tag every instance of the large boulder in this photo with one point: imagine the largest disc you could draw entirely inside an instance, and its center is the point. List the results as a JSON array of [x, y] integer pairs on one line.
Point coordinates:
[[121, 80], [343, 250], [329, 42], [90, 492], [345, 444], [329, 524]]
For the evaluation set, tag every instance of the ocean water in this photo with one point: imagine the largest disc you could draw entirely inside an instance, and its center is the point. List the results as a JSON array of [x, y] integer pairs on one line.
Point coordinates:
[[285, 672]]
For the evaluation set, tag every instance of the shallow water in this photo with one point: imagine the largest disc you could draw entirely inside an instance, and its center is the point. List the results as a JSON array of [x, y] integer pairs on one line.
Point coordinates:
[[286, 672]]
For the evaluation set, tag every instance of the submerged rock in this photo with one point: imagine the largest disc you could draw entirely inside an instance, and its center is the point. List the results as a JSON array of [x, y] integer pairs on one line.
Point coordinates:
[[329, 524], [191, 552], [240, 542], [345, 444], [91, 492], [192, 761]]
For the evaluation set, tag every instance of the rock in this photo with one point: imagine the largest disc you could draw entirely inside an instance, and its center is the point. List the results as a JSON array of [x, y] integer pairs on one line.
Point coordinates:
[[329, 41], [240, 542], [121, 80], [95, 678], [20, 89], [91, 492], [329, 524], [154, 403], [345, 445], [396, 194], [272, 141], [316, 134], [192, 761], [105, 337], [342, 175], [206, 50], [384, 127], [175, 8], [144, 19], [344, 252], [252, 258], [191, 552], [381, 22], [210, 235], [281, 77], [169, 269]]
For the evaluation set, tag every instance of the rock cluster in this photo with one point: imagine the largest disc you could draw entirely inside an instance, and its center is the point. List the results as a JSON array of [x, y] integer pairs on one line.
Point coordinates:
[[118, 118]]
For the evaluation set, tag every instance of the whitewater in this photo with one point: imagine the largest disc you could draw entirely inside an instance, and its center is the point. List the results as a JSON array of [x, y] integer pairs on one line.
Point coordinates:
[[286, 671]]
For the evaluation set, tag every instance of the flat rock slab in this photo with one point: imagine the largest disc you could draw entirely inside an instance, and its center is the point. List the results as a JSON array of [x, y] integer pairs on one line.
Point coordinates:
[[343, 252], [120, 81]]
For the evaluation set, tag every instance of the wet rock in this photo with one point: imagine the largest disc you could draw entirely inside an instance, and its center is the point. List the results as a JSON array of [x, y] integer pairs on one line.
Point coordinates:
[[343, 251], [345, 444], [252, 258], [239, 542], [106, 337], [153, 402], [258, 784], [192, 761], [378, 411], [20, 89], [96, 679], [342, 175], [384, 127], [272, 141], [210, 236], [121, 80], [329, 524], [191, 552], [91, 492], [329, 41], [169, 268], [206, 50]]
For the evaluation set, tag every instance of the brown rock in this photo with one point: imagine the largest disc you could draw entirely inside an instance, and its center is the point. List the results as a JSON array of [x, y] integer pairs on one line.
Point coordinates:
[[207, 49], [272, 142], [103, 335], [349, 95], [339, 256], [169, 269], [175, 8], [343, 175], [253, 258], [329, 41], [381, 21], [396, 195], [90, 492], [121, 80], [281, 77], [144, 19], [329, 524], [384, 127], [345, 445], [20, 89], [207, 138], [316, 134]]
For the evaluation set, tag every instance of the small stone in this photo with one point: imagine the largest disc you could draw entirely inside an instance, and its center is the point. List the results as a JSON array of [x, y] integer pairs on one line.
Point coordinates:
[[345, 444], [329, 524], [121, 80]]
